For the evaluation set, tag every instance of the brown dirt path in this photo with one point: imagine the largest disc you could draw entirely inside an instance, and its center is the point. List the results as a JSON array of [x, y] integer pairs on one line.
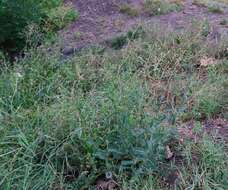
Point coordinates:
[[101, 20]]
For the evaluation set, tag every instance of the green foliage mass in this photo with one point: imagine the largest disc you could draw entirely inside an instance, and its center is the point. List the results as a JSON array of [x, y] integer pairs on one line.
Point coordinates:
[[16, 16]]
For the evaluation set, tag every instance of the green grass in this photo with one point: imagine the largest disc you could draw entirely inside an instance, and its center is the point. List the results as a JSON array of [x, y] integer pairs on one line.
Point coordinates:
[[2, 57], [65, 123], [35, 20], [215, 9], [207, 2], [60, 16], [213, 6], [122, 40], [129, 10], [159, 7]]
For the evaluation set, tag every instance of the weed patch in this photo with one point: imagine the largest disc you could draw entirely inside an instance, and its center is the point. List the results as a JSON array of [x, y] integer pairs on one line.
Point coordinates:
[[158, 7], [67, 124], [120, 41], [60, 16], [129, 10]]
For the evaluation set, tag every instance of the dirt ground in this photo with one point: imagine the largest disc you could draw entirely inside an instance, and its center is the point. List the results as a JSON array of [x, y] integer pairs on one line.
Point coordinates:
[[101, 20]]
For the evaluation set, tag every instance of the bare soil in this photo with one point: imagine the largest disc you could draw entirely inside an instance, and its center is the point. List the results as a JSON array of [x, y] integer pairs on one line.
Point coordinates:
[[218, 127], [101, 20]]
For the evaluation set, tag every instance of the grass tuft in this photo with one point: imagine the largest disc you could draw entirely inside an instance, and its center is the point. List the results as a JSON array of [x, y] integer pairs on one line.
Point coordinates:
[[129, 10], [159, 7], [60, 16]]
